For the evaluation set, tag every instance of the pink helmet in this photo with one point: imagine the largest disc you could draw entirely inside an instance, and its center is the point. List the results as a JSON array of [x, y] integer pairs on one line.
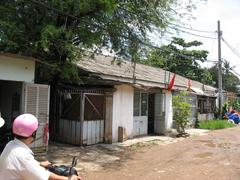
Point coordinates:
[[24, 125]]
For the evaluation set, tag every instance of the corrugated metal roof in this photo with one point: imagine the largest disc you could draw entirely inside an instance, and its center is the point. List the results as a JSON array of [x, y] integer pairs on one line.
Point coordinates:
[[123, 71]]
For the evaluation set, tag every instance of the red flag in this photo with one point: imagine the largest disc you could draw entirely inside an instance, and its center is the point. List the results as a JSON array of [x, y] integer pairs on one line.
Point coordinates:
[[171, 82]]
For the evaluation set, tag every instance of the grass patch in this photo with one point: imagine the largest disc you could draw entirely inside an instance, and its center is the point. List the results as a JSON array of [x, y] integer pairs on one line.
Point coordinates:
[[215, 124]]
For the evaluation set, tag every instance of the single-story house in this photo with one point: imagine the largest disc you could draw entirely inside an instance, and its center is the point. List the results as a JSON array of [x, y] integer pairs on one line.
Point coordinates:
[[203, 102], [120, 100], [19, 94]]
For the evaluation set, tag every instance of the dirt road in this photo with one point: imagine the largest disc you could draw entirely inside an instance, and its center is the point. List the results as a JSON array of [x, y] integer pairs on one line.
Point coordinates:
[[215, 156]]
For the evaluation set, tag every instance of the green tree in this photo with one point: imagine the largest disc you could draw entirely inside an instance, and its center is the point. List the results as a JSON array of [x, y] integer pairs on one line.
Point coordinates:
[[56, 31], [180, 57], [230, 81], [181, 111]]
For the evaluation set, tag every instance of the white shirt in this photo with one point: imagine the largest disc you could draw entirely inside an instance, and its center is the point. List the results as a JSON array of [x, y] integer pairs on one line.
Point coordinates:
[[17, 163]]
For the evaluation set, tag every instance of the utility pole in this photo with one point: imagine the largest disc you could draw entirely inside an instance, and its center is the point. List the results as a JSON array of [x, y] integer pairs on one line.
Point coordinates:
[[220, 94]]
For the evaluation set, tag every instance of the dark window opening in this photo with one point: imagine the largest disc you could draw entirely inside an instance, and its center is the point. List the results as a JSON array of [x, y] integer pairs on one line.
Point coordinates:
[[206, 105], [94, 107], [70, 106]]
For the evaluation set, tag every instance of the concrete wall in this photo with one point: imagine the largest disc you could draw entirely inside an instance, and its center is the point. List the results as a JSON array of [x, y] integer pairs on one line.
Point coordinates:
[[140, 125], [163, 117], [204, 117], [168, 110], [16, 69], [122, 110]]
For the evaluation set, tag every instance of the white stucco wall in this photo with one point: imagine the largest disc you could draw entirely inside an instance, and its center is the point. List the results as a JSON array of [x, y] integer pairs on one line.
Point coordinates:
[[168, 110], [122, 110], [16, 69]]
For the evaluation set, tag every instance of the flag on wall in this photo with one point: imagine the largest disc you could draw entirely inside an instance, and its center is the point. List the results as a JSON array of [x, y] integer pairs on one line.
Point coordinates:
[[170, 86]]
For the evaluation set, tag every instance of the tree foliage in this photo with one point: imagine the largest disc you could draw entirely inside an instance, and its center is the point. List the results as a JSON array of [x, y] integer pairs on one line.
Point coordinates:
[[180, 57], [54, 31], [230, 80]]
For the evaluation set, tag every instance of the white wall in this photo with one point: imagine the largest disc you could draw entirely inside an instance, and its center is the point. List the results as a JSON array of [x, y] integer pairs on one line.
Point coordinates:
[[140, 125], [16, 69], [122, 110], [168, 110], [163, 117]]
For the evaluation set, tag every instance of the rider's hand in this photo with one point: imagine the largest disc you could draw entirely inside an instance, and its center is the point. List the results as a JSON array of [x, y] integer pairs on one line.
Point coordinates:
[[74, 177], [44, 163]]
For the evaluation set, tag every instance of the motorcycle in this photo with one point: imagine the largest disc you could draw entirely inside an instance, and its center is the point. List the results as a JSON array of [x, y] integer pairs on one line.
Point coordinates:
[[63, 170]]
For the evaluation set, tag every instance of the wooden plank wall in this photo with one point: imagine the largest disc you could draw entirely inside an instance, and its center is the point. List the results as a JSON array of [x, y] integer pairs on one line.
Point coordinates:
[[93, 132]]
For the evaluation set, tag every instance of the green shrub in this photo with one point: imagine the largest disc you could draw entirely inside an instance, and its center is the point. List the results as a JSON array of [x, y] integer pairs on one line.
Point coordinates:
[[215, 124], [181, 111]]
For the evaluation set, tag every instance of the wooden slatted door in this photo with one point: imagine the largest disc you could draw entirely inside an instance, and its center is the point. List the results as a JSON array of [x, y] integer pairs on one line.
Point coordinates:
[[36, 102], [159, 113], [93, 124]]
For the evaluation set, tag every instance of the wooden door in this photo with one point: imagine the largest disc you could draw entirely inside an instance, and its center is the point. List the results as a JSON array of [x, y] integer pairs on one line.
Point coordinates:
[[36, 102], [93, 119]]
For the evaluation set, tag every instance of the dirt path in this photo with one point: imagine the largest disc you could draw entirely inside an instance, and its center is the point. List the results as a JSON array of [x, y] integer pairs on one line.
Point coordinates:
[[209, 157]]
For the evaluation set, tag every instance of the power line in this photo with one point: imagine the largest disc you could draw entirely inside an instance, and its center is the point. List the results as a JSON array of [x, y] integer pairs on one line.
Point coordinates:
[[192, 29], [140, 41], [72, 16], [231, 48], [198, 35], [234, 72], [212, 48]]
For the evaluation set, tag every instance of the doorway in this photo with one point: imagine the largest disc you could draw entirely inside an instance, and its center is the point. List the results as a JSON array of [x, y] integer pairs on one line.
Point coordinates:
[[151, 113], [10, 107]]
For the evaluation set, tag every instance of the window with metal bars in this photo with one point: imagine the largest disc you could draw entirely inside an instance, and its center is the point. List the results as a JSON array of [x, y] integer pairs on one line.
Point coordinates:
[[140, 103], [94, 107]]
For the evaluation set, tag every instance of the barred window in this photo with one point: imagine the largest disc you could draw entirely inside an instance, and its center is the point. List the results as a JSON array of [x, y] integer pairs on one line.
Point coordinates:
[[94, 107], [140, 104]]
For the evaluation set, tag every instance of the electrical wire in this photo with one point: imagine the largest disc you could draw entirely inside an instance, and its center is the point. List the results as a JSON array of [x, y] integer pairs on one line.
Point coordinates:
[[141, 42], [186, 32], [234, 72], [192, 29], [212, 48], [231, 48]]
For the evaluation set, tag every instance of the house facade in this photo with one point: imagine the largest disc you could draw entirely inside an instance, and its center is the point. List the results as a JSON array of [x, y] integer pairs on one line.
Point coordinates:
[[202, 99], [19, 94], [119, 100]]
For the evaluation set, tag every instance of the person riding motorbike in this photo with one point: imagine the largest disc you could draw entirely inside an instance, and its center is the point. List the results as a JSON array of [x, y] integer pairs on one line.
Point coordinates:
[[17, 160]]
